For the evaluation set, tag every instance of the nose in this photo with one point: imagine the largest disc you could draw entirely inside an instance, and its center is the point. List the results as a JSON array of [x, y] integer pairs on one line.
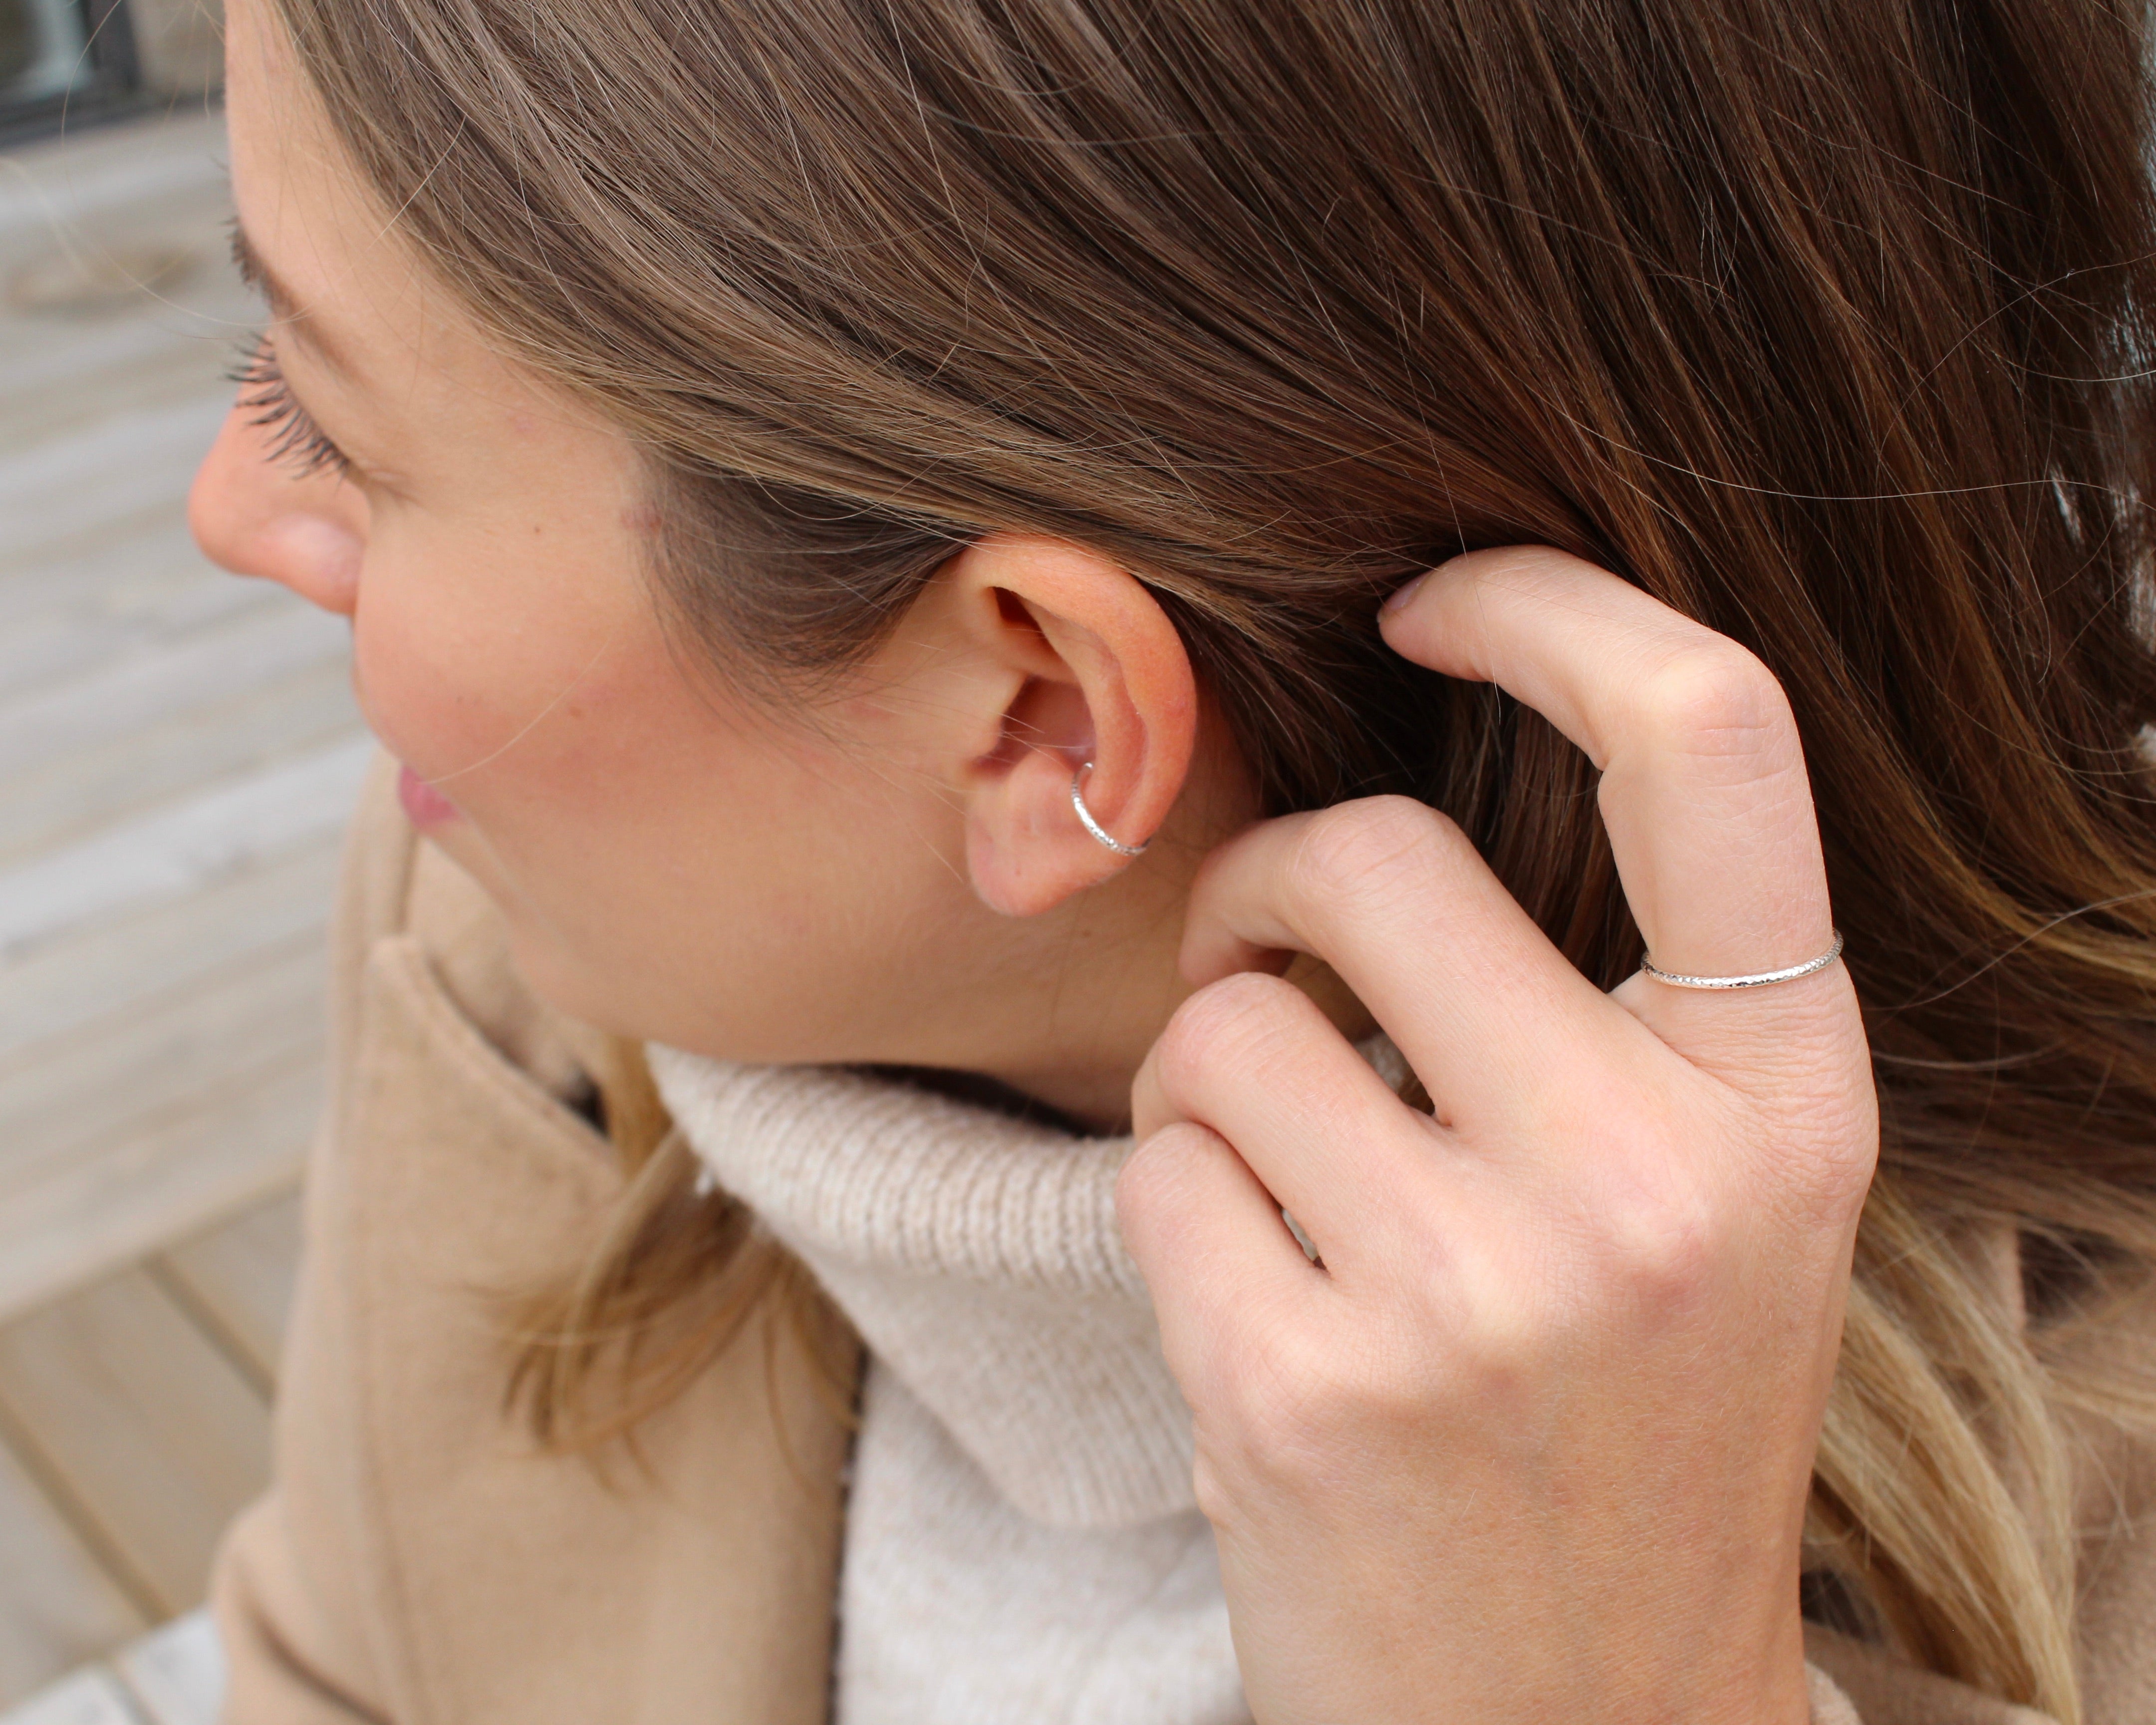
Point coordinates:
[[254, 517]]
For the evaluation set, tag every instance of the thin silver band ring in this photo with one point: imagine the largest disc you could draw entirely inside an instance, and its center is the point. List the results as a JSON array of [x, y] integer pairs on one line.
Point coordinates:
[[1759, 981], [1094, 827]]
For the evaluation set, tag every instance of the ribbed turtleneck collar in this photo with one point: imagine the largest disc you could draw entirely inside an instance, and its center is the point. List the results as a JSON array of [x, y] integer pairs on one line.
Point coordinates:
[[979, 1257]]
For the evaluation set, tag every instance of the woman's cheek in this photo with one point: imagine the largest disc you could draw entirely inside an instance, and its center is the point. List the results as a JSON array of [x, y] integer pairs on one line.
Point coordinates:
[[447, 678], [418, 705]]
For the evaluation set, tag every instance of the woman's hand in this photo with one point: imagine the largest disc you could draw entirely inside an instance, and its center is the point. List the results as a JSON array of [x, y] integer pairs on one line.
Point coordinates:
[[1533, 1442]]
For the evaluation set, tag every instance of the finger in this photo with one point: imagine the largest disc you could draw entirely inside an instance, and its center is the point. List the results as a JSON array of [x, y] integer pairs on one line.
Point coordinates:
[[1216, 1257], [1704, 791], [1252, 1058], [1704, 788], [1393, 896]]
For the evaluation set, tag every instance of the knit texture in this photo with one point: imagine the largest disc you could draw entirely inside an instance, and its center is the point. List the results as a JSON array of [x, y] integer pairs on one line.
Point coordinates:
[[1022, 1543]]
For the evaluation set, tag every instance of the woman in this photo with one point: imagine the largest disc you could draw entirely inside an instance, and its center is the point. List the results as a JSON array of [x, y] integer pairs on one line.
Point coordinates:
[[865, 526]]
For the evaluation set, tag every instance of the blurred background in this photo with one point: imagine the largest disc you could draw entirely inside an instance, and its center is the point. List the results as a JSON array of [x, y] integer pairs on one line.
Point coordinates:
[[177, 752]]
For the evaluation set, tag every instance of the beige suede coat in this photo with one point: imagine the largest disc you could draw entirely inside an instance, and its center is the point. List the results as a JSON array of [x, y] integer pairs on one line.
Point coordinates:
[[419, 1563]]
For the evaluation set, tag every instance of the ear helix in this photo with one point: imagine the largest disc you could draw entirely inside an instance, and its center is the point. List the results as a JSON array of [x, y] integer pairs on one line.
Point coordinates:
[[1093, 826]]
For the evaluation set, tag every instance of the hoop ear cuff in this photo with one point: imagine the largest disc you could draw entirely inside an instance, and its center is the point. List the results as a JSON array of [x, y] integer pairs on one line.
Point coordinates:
[[1092, 825]]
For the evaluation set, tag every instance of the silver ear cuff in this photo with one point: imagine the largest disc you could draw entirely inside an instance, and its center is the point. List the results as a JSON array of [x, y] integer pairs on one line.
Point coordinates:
[[1094, 827]]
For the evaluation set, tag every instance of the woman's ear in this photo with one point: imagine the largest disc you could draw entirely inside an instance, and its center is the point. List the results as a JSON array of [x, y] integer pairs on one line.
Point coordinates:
[[1086, 668]]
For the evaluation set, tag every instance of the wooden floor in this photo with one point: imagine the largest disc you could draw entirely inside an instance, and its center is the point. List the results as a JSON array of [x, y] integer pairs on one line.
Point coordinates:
[[178, 751]]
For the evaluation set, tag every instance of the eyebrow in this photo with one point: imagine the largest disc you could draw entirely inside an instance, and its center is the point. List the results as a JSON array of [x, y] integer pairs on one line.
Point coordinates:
[[283, 304]]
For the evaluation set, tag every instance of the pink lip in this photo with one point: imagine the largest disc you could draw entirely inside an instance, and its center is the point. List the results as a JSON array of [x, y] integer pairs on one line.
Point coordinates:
[[423, 805]]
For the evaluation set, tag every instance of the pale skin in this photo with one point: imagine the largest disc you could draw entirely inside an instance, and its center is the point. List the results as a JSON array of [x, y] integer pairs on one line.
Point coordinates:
[[1532, 1442]]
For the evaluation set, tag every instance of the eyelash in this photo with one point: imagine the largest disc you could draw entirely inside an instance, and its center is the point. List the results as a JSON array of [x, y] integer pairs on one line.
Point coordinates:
[[297, 442]]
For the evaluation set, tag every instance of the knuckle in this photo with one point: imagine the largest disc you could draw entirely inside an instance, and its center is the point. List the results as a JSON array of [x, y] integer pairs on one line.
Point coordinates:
[[1355, 848], [1279, 1413], [1152, 1186], [1662, 1235], [1214, 1490], [1711, 697], [1145, 1183], [1234, 1024], [1297, 1401]]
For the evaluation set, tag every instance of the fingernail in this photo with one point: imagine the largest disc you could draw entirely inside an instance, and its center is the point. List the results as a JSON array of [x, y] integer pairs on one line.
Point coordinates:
[[1400, 598]]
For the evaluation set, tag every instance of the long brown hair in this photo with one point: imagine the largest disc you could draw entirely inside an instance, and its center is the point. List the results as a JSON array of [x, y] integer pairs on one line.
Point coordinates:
[[1827, 321]]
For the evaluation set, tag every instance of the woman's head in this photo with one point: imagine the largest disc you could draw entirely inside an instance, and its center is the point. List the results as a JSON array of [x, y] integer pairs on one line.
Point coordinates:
[[1173, 336], [885, 867], [1790, 314]]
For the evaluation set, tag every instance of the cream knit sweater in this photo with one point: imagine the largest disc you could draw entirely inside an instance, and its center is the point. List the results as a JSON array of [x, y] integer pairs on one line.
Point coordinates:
[[1023, 1546]]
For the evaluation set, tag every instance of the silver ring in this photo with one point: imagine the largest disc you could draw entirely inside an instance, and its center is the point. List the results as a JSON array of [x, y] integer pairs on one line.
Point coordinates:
[[1759, 981], [1094, 827]]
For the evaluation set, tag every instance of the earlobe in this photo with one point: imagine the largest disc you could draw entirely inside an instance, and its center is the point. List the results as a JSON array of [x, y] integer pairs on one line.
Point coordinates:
[[1103, 688]]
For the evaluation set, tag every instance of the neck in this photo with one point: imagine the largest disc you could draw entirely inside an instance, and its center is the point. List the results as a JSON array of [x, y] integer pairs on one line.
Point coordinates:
[[1086, 1082]]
